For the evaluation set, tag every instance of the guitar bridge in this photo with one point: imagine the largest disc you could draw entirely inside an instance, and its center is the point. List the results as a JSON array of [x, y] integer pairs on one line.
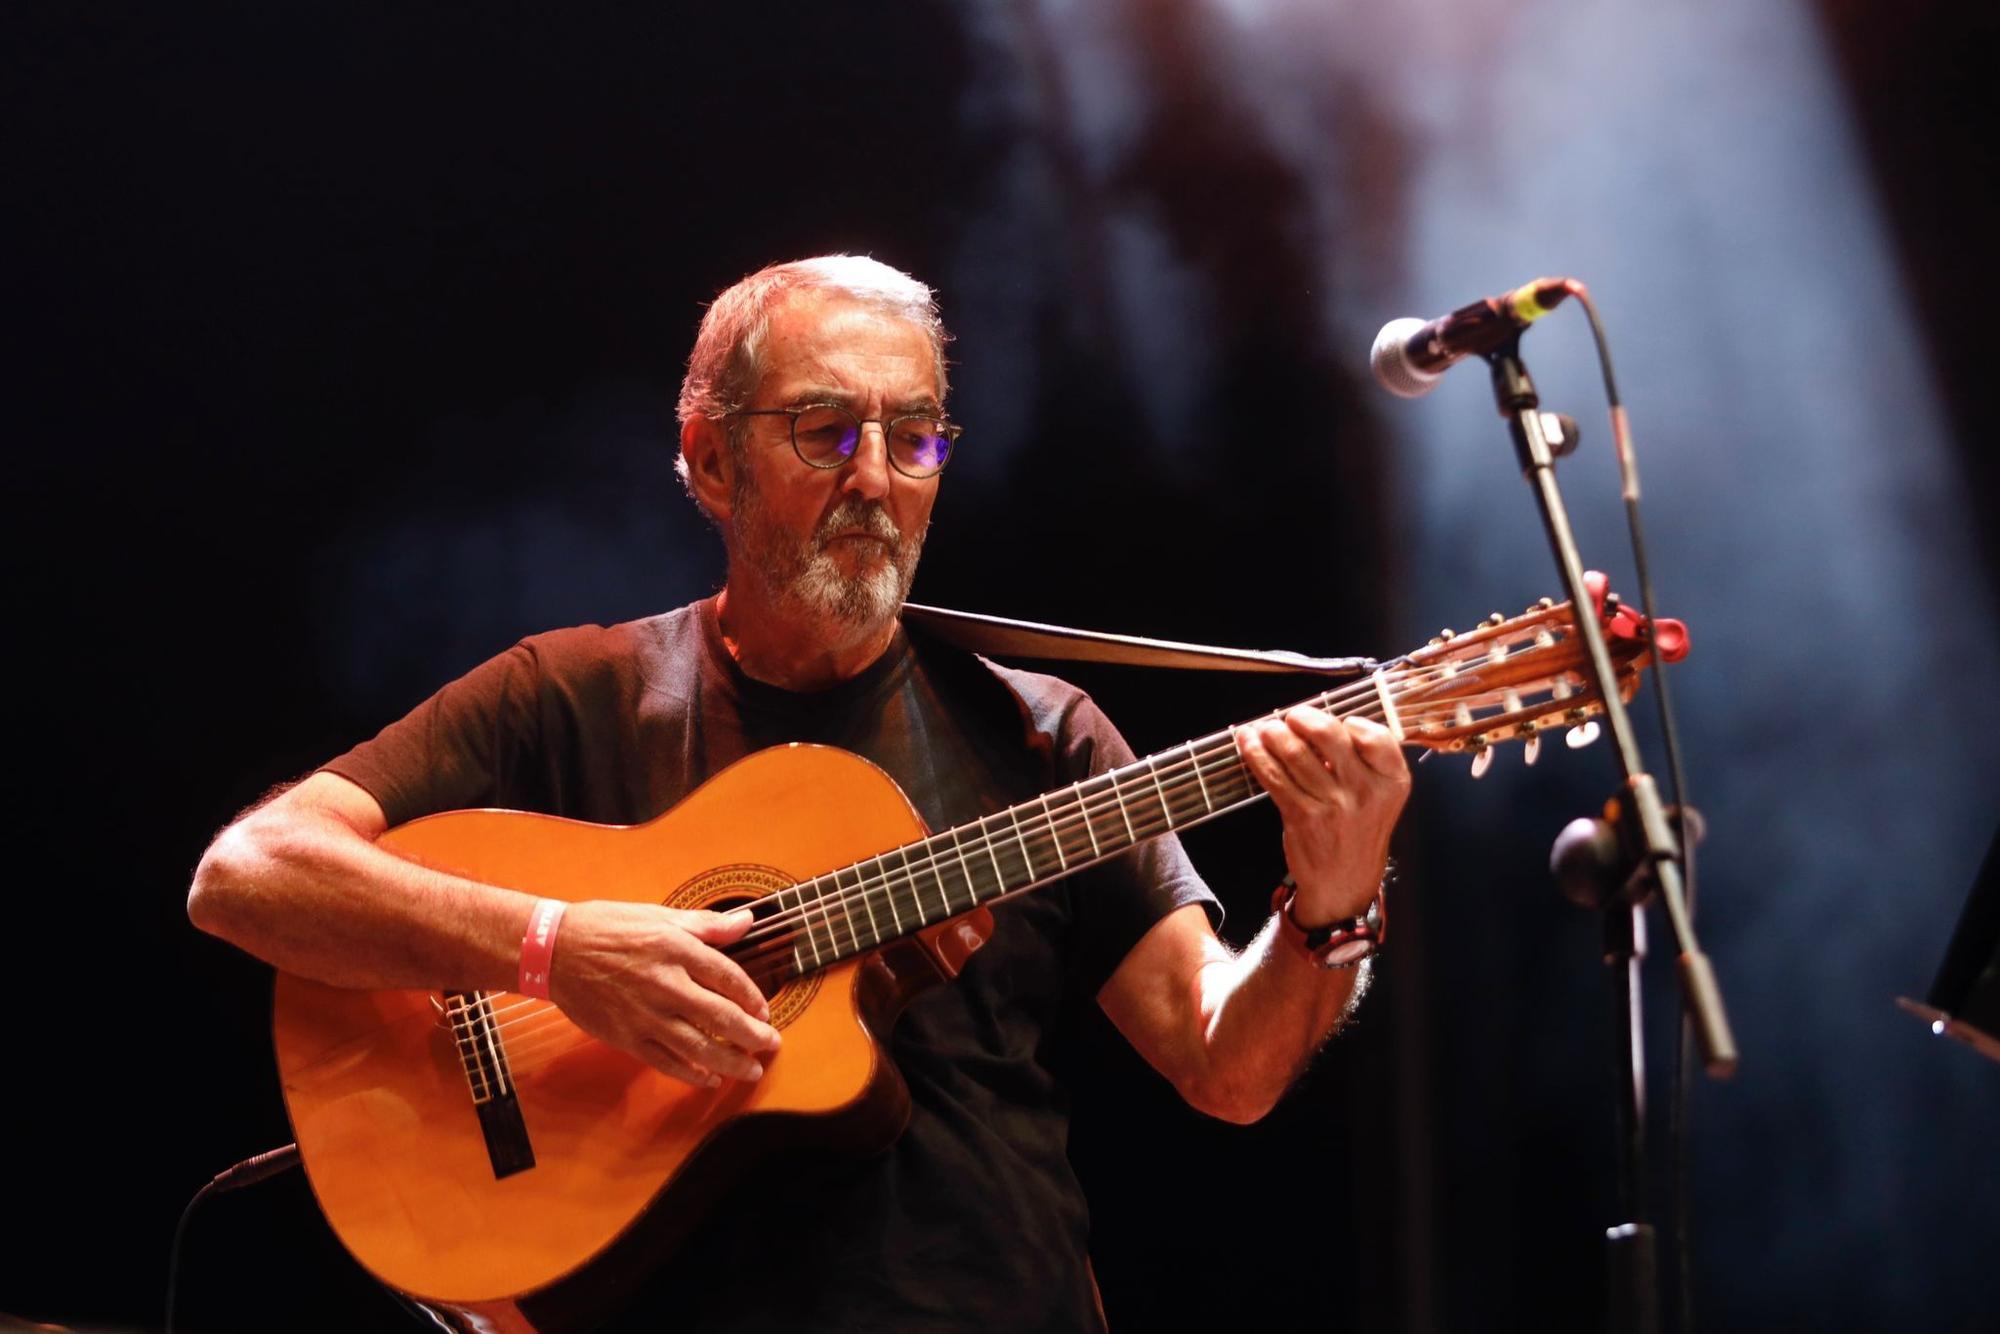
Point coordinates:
[[483, 1056]]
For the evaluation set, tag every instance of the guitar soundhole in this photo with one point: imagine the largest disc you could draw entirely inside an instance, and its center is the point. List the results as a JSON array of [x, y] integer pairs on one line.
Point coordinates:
[[728, 887]]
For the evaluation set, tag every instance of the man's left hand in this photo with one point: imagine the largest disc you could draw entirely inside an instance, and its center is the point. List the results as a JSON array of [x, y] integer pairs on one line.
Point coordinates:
[[1340, 786]]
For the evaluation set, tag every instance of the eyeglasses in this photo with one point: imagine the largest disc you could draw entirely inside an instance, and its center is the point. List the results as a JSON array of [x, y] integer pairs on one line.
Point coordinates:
[[825, 435]]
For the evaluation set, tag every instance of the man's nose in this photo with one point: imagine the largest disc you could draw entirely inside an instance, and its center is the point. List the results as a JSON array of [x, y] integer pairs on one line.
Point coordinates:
[[866, 473]]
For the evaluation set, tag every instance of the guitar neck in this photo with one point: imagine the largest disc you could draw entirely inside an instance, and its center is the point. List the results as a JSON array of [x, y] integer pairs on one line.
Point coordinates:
[[859, 907], [1506, 680]]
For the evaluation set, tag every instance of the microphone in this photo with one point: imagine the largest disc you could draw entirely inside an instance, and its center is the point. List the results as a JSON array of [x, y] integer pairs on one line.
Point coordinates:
[[1410, 355]]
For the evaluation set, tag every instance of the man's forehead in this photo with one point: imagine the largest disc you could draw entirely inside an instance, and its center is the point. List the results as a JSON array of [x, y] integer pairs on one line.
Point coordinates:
[[836, 344]]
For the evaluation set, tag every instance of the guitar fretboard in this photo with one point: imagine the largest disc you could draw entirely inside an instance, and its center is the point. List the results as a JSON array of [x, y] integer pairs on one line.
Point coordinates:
[[857, 908]]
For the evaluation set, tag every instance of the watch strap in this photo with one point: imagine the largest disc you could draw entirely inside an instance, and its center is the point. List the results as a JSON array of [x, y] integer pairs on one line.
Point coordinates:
[[1339, 944]]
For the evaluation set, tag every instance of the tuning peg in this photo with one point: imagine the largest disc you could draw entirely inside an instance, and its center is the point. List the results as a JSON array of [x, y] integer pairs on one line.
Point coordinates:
[[1581, 735], [1532, 749], [1482, 760], [1496, 619]]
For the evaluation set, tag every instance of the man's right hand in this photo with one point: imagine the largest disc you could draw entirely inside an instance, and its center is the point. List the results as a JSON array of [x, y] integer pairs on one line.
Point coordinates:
[[651, 981]]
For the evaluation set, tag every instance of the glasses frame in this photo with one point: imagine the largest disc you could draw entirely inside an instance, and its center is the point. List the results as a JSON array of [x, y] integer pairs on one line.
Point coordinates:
[[951, 431]]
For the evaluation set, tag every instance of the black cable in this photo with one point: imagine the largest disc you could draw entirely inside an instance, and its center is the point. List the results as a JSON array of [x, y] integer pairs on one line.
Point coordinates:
[[246, 1173], [1677, 1136]]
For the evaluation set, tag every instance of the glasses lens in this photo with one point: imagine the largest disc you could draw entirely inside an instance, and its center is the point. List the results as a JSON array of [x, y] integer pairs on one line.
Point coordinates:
[[826, 435], [920, 445]]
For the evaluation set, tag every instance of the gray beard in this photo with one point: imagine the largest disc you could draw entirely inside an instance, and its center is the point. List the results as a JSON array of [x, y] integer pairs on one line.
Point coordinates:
[[805, 579]]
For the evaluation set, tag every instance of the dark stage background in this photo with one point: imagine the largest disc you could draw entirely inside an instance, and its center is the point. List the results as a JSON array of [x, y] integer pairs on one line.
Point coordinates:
[[342, 343]]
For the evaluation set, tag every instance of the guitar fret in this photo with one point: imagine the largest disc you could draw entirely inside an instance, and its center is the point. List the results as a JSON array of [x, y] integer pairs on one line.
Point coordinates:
[[1015, 870], [823, 906], [923, 913], [916, 896], [1166, 808], [1118, 795], [999, 876], [1089, 824], [861, 892], [805, 916], [1027, 858], [971, 887], [1055, 835], [937, 874], [846, 906], [889, 893], [1207, 804], [1235, 760]]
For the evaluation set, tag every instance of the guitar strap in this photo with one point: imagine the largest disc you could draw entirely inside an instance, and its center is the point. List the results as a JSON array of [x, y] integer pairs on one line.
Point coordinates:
[[997, 635]]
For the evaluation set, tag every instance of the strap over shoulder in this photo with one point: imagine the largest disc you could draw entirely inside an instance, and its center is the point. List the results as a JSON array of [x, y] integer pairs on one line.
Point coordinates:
[[999, 636]]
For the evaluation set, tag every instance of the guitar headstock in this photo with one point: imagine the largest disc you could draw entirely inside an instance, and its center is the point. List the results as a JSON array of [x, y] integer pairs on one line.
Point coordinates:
[[1513, 678]]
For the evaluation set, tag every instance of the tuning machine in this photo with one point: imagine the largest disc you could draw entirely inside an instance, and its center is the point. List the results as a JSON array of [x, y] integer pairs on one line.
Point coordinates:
[[1529, 729], [1581, 735]]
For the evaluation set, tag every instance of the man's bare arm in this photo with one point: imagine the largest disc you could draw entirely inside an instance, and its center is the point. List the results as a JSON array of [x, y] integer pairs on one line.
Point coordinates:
[[300, 883], [1232, 1031]]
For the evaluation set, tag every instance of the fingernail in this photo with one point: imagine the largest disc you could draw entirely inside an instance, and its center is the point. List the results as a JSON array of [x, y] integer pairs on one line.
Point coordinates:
[[712, 1080], [756, 1071]]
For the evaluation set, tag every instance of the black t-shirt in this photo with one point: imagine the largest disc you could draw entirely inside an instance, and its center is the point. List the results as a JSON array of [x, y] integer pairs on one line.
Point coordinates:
[[973, 1219]]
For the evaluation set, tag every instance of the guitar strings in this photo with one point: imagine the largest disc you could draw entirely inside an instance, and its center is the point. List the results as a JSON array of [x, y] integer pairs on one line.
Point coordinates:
[[1180, 784], [775, 936]]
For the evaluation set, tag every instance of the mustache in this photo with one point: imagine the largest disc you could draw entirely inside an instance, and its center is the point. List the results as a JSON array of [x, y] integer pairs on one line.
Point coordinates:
[[857, 515]]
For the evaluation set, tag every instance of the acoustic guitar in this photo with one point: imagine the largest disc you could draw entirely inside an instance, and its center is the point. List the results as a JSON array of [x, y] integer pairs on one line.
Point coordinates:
[[478, 1152]]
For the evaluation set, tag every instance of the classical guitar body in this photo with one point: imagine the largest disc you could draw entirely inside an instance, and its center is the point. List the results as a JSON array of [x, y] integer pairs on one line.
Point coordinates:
[[479, 1152]]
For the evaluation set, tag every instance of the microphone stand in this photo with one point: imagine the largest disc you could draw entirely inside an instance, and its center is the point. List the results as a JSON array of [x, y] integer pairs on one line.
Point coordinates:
[[1647, 839]]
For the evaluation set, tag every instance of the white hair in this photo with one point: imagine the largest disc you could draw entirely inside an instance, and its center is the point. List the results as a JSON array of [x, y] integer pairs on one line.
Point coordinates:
[[727, 360]]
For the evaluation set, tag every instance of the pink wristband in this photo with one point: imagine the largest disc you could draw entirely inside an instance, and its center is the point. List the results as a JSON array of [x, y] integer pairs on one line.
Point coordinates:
[[538, 948]]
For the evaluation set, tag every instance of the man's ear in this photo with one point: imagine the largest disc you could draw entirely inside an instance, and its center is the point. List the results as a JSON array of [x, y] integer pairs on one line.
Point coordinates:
[[711, 465]]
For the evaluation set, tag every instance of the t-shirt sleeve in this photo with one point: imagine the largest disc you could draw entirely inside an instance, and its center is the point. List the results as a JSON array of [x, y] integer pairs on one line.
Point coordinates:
[[466, 746], [1114, 905]]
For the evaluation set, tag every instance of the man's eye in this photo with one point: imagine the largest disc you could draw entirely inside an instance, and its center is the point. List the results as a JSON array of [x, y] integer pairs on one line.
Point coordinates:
[[816, 420]]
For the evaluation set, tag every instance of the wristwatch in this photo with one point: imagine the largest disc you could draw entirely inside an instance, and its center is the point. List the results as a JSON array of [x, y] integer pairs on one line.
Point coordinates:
[[1341, 944]]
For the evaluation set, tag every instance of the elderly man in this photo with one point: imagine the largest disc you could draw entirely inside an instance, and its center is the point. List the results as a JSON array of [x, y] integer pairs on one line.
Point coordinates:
[[813, 434]]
